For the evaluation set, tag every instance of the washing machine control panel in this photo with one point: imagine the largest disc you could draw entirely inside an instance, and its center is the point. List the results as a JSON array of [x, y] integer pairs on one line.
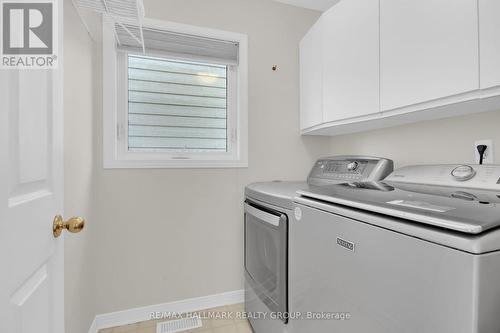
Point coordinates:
[[486, 176], [341, 169], [463, 172]]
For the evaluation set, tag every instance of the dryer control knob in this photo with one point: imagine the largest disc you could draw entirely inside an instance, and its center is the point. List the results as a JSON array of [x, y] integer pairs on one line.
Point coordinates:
[[463, 173], [352, 166]]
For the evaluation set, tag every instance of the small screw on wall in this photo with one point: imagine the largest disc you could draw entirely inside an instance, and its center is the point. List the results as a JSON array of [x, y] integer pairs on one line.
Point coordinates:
[[275, 68]]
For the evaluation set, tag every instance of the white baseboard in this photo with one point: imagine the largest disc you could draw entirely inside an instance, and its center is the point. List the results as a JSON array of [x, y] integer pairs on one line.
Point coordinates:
[[135, 315], [93, 328]]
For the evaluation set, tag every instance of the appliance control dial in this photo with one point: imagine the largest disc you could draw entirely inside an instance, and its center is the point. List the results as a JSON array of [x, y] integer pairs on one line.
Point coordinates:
[[463, 172], [353, 166]]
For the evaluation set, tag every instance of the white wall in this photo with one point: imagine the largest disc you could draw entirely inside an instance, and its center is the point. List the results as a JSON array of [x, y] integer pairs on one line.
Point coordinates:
[[79, 103], [448, 140], [165, 234]]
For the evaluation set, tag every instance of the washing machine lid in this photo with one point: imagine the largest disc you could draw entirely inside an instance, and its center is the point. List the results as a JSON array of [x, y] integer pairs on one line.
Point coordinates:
[[469, 207], [277, 193]]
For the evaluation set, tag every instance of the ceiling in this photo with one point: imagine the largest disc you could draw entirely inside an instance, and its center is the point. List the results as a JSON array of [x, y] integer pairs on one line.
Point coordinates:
[[320, 5]]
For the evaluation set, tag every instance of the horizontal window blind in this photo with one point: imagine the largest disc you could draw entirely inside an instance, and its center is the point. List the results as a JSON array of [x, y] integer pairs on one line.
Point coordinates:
[[176, 106], [184, 45]]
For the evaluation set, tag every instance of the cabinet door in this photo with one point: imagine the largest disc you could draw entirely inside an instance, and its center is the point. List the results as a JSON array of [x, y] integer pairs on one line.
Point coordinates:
[[489, 29], [351, 60], [311, 77], [429, 50]]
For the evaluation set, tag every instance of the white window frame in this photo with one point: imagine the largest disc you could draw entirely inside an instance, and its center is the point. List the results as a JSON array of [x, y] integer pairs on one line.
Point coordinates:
[[115, 106]]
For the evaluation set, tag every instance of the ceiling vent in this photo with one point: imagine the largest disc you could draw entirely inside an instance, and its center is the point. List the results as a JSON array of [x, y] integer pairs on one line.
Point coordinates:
[[127, 16]]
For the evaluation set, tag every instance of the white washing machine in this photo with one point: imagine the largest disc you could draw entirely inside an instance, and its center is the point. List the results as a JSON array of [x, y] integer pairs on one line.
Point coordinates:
[[416, 253], [269, 213]]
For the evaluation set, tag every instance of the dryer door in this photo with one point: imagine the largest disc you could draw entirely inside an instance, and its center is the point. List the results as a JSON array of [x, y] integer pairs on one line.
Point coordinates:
[[266, 246]]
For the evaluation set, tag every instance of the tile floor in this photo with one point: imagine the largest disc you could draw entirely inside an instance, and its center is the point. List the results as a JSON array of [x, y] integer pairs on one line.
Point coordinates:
[[210, 325]]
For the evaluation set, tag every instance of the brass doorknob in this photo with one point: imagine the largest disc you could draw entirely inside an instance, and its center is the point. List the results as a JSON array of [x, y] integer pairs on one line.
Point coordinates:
[[74, 225]]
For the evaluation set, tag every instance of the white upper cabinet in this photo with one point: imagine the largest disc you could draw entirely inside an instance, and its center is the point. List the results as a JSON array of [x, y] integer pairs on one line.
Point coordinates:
[[489, 41], [351, 60], [311, 77], [428, 50], [371, 64]]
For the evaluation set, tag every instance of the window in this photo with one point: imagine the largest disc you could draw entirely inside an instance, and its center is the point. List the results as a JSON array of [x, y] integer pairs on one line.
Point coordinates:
[[178, 100], [176, 106]]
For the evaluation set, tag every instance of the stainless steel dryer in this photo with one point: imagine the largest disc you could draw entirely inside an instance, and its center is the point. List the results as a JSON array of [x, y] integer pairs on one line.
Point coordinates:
[[417, 253], [268, 215]]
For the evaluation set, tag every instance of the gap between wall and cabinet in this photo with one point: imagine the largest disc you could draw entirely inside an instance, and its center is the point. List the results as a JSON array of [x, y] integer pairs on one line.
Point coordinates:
[[140, 314]]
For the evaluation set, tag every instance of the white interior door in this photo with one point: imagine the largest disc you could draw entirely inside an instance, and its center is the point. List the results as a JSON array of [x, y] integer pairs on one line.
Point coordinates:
[[31, 179]]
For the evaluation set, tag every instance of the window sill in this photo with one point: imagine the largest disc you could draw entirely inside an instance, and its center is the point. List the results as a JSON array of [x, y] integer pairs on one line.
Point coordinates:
[[173, 164]]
